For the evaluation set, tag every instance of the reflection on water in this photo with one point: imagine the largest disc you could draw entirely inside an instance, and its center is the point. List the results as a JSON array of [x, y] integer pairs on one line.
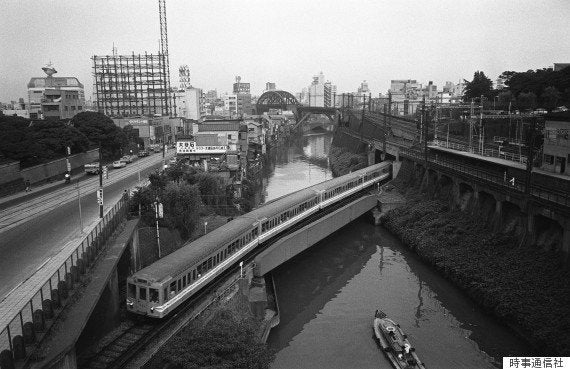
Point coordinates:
[[328, 295]]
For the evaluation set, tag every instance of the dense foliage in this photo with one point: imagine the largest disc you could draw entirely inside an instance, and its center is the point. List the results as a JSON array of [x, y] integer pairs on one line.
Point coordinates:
[[481, 85], [342, 161], [544, 88], [38, 142], [101, 130], [226, 341], [526, 287], [186, 193]]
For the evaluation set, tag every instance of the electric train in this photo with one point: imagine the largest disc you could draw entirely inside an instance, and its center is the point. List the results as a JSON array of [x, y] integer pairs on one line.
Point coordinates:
[[159, 288]]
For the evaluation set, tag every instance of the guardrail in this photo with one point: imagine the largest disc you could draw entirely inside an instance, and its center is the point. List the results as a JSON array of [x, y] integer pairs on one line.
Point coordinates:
[[558, 198], [492, 153], [26, 315]]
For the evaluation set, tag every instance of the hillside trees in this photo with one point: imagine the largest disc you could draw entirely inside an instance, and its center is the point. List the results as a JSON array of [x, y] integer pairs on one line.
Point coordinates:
[[100, 129], [481, 85], [37, 142]]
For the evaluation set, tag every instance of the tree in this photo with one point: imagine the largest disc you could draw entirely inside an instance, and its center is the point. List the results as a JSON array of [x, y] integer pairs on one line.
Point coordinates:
[[504, 99], [100, 129], [181, 203], [55, 137], [526, 100], [481, 85], [550, 97]]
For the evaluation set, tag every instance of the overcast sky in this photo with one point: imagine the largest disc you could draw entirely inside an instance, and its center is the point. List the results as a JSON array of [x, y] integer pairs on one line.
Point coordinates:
[[286, 41]]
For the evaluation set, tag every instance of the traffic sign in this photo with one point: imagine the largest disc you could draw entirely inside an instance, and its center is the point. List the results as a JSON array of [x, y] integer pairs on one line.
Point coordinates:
[[100, 196]]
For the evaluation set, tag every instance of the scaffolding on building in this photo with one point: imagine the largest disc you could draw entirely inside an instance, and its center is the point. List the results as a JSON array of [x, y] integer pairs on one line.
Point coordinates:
[[131, 85]]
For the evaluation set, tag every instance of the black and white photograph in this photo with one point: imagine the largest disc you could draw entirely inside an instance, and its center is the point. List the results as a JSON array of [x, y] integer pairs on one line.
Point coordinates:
[[266, 184]]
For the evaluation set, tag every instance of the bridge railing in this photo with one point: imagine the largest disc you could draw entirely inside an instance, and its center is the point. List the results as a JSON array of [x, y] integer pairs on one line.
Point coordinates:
[[488, 152], [448, 165], [27, 315], [558, 197]]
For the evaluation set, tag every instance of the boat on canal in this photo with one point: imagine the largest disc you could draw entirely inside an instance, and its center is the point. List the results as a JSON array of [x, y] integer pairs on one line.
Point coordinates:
[[394, 343]]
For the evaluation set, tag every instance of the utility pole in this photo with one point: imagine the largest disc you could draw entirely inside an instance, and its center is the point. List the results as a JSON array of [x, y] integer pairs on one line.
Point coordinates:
[[385, 130], [100, 193], [529, 159], [471, 114], [158, 214], [425, 124]]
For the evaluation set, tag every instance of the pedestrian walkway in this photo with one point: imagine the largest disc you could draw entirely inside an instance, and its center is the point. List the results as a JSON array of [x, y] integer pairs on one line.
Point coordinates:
[[39, 189], [65, 332]]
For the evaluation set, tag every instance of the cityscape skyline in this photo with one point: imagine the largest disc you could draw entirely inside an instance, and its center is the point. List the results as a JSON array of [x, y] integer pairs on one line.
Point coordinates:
[[287, 47]]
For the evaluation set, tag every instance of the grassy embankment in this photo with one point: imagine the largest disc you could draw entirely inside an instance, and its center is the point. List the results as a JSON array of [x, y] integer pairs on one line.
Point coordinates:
[[524, 286]]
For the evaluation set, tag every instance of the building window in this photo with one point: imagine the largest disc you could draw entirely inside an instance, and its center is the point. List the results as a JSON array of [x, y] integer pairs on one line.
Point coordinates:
[[549, 159], [229, 137], [72, 108], [79, 108], [66, 108]]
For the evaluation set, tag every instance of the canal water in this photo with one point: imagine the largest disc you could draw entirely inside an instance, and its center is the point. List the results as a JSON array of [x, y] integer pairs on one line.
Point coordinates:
[[328, 295]]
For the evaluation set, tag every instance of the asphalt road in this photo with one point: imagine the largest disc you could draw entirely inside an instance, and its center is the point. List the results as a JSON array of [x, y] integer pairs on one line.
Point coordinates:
[[35, 229]]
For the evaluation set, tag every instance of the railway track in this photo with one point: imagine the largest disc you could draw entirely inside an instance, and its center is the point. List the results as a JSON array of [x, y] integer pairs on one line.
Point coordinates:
[[117, 353]]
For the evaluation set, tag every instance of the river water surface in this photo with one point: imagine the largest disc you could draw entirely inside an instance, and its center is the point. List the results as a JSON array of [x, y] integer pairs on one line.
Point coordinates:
[[327, 295]]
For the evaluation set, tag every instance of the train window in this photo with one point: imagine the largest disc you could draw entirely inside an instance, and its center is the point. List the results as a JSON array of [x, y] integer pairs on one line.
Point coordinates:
[[142, 293], [209, 264], [165, 294], [131, 290], [153, 295], [179, 284], [189, 278], [173, 287], [184, 282], [194, 275]]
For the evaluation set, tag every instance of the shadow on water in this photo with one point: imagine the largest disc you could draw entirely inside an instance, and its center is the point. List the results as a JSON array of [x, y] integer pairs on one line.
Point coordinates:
[[445, 324], [313, 278]]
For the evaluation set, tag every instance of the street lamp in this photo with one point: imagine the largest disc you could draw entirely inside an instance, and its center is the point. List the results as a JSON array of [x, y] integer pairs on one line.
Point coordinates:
[[205, 227]]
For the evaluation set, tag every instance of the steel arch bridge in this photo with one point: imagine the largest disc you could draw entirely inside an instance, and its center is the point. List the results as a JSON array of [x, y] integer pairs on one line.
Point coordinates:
[[279, 99], [276, 99]]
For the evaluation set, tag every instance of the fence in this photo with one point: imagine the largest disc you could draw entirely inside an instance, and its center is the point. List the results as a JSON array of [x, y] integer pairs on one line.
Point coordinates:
[[493, 153], [557, 197], [25, 319]]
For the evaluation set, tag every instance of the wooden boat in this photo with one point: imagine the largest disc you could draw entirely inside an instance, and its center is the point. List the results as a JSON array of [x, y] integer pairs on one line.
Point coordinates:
[[394, 343]]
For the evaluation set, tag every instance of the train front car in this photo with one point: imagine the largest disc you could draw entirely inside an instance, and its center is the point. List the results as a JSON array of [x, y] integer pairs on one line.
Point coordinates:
[[161, 287]]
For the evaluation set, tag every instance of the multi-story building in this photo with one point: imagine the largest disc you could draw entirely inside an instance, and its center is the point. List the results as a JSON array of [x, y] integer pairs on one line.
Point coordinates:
[[131, 85], [211, 96], [556, 148], [55, 97], [270, 86], [241, 87], [244, 105], [320, 93], [230, 104], [190, 103]]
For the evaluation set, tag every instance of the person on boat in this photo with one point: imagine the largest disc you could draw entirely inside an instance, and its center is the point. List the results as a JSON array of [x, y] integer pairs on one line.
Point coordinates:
[[407, 348]]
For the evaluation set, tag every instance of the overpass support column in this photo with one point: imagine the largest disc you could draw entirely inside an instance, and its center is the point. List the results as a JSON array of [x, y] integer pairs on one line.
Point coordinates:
[[455, 194], [114, 301], [566, 239], [498, 221], [530, 226]]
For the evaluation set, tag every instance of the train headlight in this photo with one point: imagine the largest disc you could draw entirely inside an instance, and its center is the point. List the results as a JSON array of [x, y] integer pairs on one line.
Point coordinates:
[[130, 303], [152, 309]]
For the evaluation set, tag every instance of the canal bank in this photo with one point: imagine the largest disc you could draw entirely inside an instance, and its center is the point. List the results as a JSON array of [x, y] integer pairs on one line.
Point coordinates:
[[525, 287]]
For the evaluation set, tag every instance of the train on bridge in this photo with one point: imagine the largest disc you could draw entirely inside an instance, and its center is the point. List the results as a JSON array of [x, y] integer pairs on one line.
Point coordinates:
[[158, 289]]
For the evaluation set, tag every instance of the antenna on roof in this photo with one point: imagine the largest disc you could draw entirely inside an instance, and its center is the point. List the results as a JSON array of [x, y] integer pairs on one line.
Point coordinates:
[[114, 50]]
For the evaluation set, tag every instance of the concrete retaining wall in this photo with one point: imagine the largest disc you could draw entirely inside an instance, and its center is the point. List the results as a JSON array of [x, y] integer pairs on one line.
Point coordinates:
[[42, 172], [293, 244], [9, 172]]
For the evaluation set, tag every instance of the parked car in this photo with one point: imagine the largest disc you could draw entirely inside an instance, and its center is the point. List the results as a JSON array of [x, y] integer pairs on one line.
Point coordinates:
[[143, 153], [127, 159], [119, 164]]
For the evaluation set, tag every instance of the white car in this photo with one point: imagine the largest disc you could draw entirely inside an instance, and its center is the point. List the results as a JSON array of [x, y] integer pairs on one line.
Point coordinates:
[[119, 164]]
